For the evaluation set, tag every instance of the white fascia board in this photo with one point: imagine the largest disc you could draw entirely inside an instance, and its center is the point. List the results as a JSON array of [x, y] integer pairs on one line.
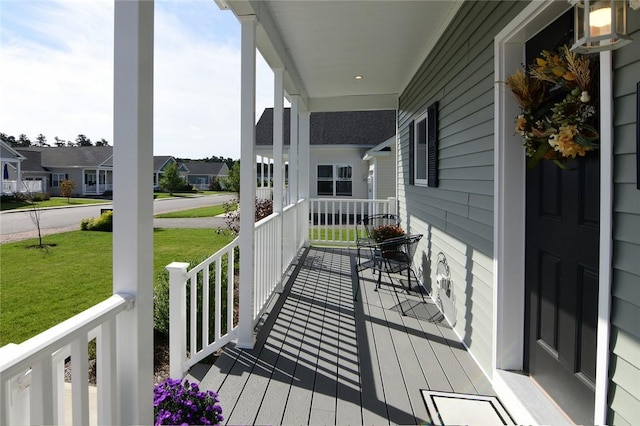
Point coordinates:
[[9, 148], [375, 151]]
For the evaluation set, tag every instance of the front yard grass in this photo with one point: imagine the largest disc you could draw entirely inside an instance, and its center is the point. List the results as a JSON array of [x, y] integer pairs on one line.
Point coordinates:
[[52, 202], [41, 288], [209, 211]]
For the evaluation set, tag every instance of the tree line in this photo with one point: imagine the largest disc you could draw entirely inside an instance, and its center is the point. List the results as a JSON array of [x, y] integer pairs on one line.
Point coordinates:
[[23, 141]]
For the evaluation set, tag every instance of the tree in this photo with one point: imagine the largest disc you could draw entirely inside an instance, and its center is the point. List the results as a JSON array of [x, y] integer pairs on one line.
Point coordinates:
[[35, 213], [102, 142], [42, 140], [232, 181], [82, 140], [171, 180], [66, 188], [23, 140]]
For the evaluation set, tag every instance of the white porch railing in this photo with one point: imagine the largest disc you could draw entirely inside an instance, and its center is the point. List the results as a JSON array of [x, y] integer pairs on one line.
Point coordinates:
[[32, 375], [196, 333], [27, 186], [333, 220], [207, 322]]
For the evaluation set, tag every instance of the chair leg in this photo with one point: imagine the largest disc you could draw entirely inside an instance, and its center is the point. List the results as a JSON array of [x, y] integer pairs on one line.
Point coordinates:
[[379, 280]]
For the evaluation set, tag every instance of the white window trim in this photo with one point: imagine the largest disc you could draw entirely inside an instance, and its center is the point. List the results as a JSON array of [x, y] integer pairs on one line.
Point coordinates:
[[53, 179], [517, 391], [416, 180], [334, 179]]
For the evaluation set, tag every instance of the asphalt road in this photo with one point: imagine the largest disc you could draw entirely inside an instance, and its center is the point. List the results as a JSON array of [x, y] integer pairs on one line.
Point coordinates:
[[17, 225]]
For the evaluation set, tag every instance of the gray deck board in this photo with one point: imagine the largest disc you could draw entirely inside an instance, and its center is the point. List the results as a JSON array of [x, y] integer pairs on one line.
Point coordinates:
[[322, 358]]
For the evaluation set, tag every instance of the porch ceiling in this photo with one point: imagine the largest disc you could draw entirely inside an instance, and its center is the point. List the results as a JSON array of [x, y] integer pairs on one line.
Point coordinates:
[[323, 45]]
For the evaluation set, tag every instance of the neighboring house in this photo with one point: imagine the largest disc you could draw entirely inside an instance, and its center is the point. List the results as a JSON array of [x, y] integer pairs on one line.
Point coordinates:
[[339, 145], [10, 167], [202, 173], [160, 162], [89, 167]]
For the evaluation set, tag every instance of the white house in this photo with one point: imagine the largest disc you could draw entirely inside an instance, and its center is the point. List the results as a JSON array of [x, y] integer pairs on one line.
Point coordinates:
[[342, 146], [10, 162]]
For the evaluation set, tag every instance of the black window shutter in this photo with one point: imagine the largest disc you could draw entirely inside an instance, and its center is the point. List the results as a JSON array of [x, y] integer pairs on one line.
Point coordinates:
[[66, 176], [432, 144], [412, 178]]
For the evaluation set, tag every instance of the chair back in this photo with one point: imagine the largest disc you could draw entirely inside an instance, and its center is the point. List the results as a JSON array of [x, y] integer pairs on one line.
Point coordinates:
[[366, 226]]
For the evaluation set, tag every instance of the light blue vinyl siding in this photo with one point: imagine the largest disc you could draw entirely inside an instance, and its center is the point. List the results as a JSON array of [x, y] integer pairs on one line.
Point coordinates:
[[457, 217]]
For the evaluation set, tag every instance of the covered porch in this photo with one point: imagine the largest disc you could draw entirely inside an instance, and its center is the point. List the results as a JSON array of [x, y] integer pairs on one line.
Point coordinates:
[[322, 358]]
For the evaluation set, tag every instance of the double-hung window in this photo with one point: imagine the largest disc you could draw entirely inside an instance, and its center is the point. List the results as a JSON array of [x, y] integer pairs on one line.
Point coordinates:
[[421, 158], [423, 148], [56, 178], [335, 180]]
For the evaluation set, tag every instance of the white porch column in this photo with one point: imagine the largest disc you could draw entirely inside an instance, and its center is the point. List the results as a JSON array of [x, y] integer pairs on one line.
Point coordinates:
[[19, 177], [304, 173], [304, 154], [293, 151], [133, 206], [278, 131], [246, 338]]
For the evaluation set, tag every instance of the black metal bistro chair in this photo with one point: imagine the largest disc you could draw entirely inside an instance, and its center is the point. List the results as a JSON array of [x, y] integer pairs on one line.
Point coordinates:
[[365, 229], [393, 256]]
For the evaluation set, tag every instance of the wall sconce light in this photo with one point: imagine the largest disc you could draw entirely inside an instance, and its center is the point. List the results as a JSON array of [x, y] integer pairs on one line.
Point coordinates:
[[600, 25]]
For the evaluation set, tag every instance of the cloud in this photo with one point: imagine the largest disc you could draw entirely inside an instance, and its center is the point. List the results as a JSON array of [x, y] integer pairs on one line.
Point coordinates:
[[57, 75]]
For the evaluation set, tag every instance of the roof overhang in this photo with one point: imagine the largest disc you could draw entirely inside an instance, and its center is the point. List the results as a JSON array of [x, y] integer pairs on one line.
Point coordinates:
[[379, 150], [323, 45]]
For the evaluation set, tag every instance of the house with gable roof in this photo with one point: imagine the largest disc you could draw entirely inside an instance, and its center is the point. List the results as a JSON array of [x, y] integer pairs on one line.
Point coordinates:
[[352, 153], [89, 167], [201, 174]]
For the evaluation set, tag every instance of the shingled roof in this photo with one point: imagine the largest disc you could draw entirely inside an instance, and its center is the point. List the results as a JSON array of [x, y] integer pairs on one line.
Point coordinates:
[[334, 128], [204, 167], [77, 156]]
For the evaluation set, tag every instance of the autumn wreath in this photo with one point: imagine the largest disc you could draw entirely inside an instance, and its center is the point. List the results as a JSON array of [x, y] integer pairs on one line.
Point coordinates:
[[555, 98]]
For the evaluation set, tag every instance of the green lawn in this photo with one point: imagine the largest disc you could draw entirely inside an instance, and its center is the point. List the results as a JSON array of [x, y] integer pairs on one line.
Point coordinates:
[[53, 202], [209, 211], [42, 288]]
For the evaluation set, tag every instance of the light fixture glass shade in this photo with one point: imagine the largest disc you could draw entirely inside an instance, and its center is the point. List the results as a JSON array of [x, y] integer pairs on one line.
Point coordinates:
[[600, 25]]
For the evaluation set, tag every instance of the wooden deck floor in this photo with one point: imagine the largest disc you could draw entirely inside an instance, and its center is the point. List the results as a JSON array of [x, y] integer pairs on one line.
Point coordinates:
[[321, 358]]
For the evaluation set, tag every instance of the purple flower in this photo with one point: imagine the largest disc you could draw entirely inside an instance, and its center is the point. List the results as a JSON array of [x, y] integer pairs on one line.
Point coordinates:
[[176, 402]]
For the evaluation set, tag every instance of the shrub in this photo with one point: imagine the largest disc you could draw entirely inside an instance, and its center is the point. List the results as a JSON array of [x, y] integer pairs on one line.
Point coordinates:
[[161, 297], [103, 223], [175, 402], [216, 184], [66, 188], [264, 208]]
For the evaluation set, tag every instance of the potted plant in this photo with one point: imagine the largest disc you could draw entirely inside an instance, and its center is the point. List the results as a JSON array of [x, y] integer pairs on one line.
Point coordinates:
[[386, 232]]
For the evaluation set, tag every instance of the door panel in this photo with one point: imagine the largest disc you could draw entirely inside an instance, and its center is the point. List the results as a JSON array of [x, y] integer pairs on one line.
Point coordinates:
[[561, 266]]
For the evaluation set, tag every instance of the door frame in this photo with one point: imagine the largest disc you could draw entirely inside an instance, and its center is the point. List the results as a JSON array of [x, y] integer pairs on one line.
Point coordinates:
[[519, 392]]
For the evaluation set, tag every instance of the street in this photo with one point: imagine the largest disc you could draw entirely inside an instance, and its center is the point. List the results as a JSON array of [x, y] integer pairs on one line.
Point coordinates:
[[17, 225]]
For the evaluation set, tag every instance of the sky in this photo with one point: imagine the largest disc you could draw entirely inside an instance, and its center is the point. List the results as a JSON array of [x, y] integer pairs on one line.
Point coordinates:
[[56, 76]]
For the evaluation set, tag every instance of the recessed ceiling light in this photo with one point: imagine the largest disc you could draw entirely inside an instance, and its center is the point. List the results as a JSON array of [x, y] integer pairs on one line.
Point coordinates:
[[358, 77]]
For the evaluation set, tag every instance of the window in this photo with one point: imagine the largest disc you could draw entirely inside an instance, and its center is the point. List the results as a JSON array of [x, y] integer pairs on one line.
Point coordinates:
[[56, 178], [421, 153], [335, 180], [423, 148]]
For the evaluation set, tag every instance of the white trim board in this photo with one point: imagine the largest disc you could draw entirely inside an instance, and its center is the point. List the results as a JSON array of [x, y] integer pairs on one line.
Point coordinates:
[[509, 235]]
